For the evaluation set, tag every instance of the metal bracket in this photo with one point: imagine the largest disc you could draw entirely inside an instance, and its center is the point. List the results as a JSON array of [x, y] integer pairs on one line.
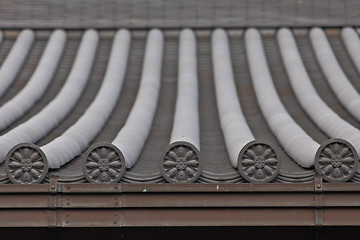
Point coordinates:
[[53, 199], [318, 201], [53, 184]]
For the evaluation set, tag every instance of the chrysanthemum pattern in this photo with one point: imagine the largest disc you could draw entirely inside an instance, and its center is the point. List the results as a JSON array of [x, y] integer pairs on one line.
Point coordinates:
[[258, 162], [336, 161], [181, 164], [104, 163], [26, 164]]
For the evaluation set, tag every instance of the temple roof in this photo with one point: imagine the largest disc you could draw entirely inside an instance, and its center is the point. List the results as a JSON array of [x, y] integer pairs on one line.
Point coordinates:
[[213, 149]]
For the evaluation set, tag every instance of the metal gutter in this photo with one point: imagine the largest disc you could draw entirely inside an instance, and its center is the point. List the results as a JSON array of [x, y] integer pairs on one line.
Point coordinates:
[[134, 205]]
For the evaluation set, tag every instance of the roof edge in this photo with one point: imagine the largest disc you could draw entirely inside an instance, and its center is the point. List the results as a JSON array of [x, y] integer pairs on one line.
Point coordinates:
[[166, 205]]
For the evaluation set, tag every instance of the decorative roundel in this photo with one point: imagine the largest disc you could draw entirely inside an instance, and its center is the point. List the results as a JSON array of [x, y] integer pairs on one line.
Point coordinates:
[[258, 162], [26, 163], [336, 160], [103, 163], [181, 163]]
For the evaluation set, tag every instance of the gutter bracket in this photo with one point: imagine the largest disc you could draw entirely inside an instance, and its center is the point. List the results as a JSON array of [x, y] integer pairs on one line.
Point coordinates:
[[318, 201], [53, 201]]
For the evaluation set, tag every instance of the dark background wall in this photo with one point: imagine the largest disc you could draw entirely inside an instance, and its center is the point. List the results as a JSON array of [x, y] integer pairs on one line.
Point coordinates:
[[177, 13]]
